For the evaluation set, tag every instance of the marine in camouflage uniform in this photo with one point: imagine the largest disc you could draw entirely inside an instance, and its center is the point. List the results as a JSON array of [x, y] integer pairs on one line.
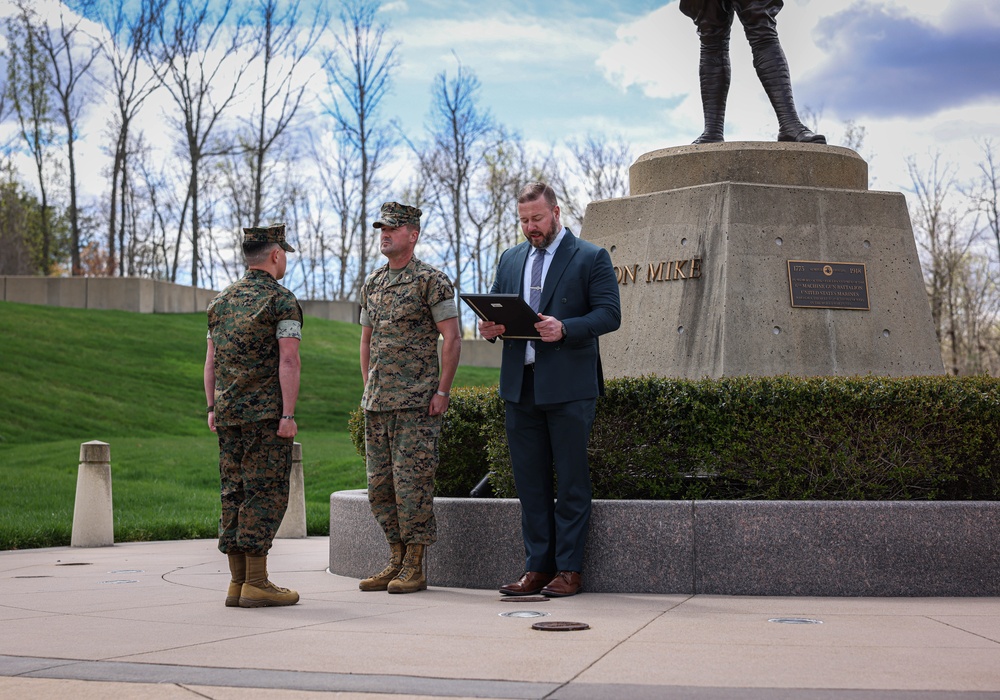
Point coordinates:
[[251, 383], [405, 306]]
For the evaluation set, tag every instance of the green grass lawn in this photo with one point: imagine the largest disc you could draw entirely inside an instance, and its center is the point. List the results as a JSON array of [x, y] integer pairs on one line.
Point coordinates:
[[135, 382]]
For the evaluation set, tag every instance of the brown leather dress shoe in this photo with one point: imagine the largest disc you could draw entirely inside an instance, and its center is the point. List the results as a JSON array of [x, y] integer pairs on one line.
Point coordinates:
[[529, 584], [564, 584]]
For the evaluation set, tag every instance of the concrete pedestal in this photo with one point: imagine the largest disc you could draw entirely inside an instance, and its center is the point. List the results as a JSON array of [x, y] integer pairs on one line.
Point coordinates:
[[702, 248], [93, 516]]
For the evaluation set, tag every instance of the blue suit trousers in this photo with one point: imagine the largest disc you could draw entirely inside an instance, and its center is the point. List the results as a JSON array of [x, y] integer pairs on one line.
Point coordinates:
[[546, 439]]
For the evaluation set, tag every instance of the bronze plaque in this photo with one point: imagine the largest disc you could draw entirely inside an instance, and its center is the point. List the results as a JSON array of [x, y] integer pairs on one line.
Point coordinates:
[[828, 285]]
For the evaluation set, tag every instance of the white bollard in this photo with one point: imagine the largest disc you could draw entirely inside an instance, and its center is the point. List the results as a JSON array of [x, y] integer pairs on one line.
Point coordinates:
[[293, 524], [93, 517]]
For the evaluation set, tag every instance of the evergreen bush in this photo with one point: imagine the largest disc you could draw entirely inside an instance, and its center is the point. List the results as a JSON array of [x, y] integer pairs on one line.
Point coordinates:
[[766, 438]]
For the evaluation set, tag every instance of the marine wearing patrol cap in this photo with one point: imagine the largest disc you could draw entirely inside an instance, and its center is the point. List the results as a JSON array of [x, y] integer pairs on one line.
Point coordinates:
[[275, 233], [394, 215]]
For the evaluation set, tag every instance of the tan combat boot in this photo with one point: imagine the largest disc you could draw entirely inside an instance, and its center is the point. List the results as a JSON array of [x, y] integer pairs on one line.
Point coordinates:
[[258, 592], [380, 581], [238, 573], [411, 577]]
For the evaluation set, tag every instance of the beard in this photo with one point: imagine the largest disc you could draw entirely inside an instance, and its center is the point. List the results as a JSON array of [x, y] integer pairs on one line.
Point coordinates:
[[548, 235]]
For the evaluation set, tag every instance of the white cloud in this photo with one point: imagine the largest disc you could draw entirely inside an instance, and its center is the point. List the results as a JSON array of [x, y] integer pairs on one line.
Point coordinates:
[[658, 54]]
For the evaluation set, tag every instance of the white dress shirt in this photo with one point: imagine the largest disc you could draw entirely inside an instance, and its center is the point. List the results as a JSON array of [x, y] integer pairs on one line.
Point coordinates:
[[550, 251]]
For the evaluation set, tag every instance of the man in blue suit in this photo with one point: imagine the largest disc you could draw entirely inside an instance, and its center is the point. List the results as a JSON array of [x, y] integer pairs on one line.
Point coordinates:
[[550, 387]]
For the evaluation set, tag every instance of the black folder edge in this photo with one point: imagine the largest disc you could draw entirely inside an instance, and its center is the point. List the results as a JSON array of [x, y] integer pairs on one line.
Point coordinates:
[[512, 312]]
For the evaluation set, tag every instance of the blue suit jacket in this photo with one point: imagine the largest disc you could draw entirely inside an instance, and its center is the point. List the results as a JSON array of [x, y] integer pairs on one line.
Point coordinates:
[[580, 290]]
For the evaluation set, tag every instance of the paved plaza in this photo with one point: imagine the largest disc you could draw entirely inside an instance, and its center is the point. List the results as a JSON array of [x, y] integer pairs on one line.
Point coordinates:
[[147, 620]]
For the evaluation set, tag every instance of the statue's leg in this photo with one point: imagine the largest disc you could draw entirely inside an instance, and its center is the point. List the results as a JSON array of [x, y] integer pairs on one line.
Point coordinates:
[[769, 61], [714, 75]]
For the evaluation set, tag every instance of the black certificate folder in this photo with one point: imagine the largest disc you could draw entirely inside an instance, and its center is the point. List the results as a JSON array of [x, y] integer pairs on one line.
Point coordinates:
[[508, 310]]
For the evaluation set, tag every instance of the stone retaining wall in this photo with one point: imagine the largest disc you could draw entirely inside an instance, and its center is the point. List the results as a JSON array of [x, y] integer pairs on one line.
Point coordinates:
[[140, 295], [774, 548]]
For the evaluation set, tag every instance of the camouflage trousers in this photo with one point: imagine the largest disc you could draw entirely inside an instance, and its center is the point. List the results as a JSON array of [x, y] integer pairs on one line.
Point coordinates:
[[254, 466], [401, 449]]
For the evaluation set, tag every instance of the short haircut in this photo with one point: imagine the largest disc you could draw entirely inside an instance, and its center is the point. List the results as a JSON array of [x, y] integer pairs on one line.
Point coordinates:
[[256, 253], [534, 190]]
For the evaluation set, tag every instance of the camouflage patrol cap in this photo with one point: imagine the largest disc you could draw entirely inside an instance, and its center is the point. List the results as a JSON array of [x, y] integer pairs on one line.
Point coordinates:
[[394, 215], [275, 233]]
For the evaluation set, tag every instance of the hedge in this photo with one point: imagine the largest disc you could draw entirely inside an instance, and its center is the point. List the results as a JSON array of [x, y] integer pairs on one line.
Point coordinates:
[[766, 438]]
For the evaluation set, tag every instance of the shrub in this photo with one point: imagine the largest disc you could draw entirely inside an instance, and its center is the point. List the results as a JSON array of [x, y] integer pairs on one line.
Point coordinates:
[[825, 438], [462, 446]]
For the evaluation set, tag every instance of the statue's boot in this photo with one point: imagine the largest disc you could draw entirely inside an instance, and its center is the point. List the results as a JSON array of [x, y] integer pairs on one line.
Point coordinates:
[[714, 74], [772, 69]]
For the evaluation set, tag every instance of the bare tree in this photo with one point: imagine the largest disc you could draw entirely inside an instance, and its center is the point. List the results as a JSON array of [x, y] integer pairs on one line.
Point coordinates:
[[130, 26], [359, 71], [854, 135], [985, 193], [163, 210], [28, 89], [201, 60], [338, 171], [947, 242], [600, 167], [282, 47], [505, 169], [70, 54], [459, 137], [314, 245]]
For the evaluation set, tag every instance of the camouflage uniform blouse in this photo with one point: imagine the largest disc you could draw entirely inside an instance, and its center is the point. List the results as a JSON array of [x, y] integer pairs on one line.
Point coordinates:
[[403, 360], [244, 323]]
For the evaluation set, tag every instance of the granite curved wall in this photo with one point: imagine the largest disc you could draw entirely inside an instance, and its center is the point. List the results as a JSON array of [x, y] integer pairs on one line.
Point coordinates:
[[779, 548]]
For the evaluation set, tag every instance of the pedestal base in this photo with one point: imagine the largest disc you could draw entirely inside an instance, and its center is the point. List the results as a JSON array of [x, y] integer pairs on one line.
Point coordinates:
[[704, 277]]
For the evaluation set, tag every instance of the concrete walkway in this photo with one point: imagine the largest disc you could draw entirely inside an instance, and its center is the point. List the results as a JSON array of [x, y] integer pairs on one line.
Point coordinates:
[[147, 620]]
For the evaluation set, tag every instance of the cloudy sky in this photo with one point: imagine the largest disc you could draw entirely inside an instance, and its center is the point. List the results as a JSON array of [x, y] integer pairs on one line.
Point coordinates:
[[920, 76]]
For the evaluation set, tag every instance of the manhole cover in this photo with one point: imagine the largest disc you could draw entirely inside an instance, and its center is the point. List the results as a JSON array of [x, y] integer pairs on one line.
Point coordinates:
[[127, 571], [117, 581], [531, 599], [74, 563], [795, 621], [523, 613], [560, 626]]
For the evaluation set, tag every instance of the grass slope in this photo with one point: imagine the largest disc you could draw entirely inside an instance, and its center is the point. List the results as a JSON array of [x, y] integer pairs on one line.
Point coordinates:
[[135, 381]]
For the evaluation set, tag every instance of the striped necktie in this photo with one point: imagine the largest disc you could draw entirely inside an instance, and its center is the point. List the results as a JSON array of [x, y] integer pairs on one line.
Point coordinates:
[[535, 293]]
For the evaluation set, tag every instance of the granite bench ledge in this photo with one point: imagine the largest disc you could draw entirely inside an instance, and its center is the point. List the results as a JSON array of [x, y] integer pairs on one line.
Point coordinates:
[[756, 548]]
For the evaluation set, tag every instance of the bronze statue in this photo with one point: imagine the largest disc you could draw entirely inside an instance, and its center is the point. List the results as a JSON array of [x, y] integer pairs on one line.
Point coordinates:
[[714, 19]]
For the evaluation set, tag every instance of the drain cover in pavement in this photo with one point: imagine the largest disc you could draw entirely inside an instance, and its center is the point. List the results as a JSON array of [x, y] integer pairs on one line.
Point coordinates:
[[524, 613], [795, 621], [530, 599], [560, 626]]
